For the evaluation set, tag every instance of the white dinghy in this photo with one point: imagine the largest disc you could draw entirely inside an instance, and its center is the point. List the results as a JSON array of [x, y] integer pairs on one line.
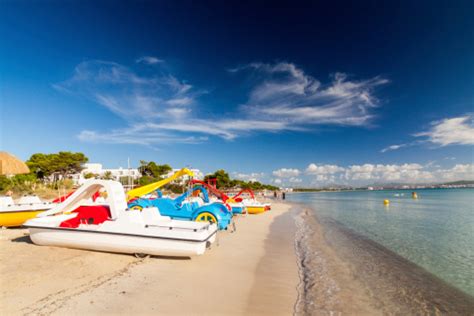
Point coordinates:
[[112, 227]]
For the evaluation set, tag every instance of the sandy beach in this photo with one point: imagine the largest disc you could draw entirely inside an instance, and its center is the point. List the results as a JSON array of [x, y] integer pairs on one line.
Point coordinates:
[[253, 271]]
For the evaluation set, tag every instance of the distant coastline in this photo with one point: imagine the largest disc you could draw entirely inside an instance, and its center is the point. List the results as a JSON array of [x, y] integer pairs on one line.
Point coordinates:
[[464, 184]]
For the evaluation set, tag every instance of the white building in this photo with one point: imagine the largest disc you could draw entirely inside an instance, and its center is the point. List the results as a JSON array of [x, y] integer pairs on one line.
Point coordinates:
[[98, 171]]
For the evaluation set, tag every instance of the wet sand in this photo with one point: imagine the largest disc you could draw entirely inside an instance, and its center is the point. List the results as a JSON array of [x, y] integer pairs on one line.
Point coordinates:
[[252, 271]]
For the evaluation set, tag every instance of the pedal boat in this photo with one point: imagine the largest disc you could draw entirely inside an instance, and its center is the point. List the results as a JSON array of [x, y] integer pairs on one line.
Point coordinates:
[[112, 227], [237, 207], [254, 206], [15, 214], [189, 206]]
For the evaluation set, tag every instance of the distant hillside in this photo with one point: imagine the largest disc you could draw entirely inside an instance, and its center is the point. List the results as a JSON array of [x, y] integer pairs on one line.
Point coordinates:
[[462, 182]]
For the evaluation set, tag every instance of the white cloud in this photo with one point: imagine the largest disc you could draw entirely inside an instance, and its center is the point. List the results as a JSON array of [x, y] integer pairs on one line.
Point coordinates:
[[128, 94], [286, 93], [150, 60], [295, 180], [323, 178], [277, 181], [182, 101], [284, 99], [286, 173], [369, 172], [138, 135], [315, 169], [450, 131], [364, 174], [254, 176], [387, 173], [393, 147], [458, 172]]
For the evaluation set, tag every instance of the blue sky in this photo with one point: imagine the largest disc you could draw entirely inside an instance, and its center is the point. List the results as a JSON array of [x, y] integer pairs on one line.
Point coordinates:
[[293, 94]]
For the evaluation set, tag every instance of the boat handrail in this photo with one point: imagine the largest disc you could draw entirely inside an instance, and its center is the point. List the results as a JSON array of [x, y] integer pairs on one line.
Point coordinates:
[[169, 227]]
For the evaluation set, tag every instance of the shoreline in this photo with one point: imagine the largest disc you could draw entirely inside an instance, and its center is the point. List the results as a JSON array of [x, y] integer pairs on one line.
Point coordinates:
[[237, 277], [346, 273]]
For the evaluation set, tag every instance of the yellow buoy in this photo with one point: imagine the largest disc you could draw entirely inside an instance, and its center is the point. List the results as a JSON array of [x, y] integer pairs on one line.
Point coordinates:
[[414, 195], [386, 202]]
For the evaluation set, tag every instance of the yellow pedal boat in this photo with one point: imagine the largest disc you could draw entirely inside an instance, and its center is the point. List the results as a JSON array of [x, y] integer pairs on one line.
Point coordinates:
[[256, 209], [15, 214]]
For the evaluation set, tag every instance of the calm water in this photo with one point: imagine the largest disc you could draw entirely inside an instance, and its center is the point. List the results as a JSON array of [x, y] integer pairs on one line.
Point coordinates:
[[436, 231]]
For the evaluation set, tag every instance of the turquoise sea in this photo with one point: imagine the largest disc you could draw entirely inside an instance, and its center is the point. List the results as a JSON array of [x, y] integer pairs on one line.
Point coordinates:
[[435, 231]]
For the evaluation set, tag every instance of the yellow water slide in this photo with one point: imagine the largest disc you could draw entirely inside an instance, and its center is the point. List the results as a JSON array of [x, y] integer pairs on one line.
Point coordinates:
[[146, 189]]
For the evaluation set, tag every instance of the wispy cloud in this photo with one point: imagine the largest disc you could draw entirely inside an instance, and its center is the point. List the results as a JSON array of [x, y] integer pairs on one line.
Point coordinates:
[[451, 131], [127, 93], [150, 60], [138, 135], [284, 92], [393, 147], [159, 107]]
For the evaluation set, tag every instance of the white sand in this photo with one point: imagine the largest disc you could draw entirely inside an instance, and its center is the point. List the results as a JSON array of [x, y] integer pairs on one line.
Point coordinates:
[[252, 271]]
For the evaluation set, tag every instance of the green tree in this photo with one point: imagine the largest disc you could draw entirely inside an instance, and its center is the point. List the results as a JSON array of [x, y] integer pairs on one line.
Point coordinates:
[[90, 175], [151, 169], [61, 164], [146, 180], [5, 183], [24, 183], [107, 176], [41, 164], [67, 163], [223, 180]]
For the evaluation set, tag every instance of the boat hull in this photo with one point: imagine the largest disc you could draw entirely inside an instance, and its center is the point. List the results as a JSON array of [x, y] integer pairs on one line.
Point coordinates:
[[118, 242], [256, 209], [17, 218], [237, 208]]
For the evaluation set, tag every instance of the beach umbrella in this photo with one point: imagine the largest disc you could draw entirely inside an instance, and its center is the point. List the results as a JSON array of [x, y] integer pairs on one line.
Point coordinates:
[[10, 165]]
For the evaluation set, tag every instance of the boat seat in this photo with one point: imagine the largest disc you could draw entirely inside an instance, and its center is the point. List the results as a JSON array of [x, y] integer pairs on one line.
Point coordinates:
[[152, 215], [6, 201], [29, 199], [94, 214]]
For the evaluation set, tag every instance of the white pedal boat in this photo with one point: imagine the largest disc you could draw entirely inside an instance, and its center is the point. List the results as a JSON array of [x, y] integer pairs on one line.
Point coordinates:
[[75, 223]]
